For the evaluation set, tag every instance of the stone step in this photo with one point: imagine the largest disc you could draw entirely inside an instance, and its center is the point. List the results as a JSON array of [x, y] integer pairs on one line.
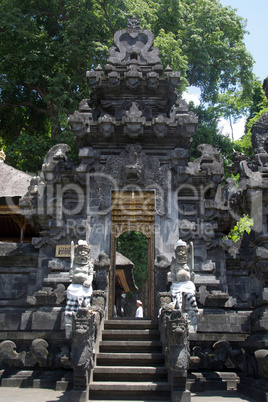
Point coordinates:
[[53, 379], [129, 324], [116, 334], [212, 380], [130, 359], [133, 346], [129, 373], [130, 391]]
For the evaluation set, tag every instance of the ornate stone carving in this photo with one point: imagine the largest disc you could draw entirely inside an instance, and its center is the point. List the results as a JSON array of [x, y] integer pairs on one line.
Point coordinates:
[[48, 296], [181, 277], [82, 346], [94, 77], [81, 119], [152, 80], [80, 290], [106, 124], [38, 354], [177, 340], [55, 160], [173, 76], [133, 77], [134, 23], [133, 45], [113, 79], [210, 161], [132, 166], [160, 126], [133, 121], [102, 267], [219, 357], [83, 339]]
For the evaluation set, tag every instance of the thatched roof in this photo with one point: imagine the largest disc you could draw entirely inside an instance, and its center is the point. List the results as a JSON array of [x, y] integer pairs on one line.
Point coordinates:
[[121, 260], [13, 182], [124, 273]]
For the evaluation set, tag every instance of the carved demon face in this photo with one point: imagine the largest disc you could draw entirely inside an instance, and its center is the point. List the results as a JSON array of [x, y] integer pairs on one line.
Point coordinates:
[[182, 254], [81, 256]]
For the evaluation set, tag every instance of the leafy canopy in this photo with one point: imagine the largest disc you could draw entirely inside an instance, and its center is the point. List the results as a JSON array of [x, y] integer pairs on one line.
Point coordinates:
[[47, 46], [134, 245]]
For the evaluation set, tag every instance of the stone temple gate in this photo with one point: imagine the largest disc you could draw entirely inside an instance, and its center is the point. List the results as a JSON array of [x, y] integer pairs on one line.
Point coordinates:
[[133, 136]]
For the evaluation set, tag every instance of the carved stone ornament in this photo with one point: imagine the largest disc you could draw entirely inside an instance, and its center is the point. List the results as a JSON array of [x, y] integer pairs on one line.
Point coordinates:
[[134, 23], [152, 80], [178, 355], [174, 78], [133, 121], [133, 78], [38, 354], [160, 126], [80, 120], [94, 77], [134, 45], [113, 79], [83, 339], [106, 124], [131, 166]]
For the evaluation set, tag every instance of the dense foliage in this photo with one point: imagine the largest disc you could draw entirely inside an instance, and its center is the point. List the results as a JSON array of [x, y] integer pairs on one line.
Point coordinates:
[[243, 225], [209, 133], [134, 245], [47, 46]]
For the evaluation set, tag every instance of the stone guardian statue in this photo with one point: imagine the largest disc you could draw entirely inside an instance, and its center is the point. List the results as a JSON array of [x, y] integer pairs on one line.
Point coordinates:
[[80, 290], [181, 276]]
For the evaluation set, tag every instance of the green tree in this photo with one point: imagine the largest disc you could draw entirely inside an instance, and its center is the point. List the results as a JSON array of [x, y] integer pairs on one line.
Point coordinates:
[[209, 133], [134, 245], [47, 46]]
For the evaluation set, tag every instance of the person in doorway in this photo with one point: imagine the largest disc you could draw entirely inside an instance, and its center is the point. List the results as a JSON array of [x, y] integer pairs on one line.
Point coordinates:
[[139, 311]]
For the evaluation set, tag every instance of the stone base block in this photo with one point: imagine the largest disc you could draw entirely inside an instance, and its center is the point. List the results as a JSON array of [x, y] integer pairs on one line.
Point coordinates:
[[181, 396]]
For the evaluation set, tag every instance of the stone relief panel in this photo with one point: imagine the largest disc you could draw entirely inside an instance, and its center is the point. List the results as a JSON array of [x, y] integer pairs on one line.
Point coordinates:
[[132, 167]]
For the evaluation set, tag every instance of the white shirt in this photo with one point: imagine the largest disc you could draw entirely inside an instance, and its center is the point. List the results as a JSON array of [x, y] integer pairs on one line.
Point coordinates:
[[139, 312]]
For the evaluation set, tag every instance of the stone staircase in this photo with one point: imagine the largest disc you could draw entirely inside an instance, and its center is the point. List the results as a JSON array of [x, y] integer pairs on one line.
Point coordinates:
[[130, 364]]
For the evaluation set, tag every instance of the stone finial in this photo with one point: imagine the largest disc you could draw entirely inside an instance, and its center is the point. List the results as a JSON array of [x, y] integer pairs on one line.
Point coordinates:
[[2, 156], [134, 23]]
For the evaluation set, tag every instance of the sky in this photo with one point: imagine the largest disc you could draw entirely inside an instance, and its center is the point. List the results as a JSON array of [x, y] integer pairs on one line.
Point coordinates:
[[256, 14]]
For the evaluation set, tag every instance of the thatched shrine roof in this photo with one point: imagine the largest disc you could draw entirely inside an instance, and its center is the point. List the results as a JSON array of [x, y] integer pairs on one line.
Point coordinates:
[[13, 182], [124, 273]]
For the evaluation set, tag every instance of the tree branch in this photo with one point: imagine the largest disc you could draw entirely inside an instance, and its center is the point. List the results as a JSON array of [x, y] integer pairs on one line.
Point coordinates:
[[27, 103]]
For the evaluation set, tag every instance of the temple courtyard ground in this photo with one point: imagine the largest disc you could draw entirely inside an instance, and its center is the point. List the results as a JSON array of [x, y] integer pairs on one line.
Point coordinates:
[[9, 394]]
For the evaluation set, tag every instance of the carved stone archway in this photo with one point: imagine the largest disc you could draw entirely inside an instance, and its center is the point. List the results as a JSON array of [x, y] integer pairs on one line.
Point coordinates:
[[133, 211]]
